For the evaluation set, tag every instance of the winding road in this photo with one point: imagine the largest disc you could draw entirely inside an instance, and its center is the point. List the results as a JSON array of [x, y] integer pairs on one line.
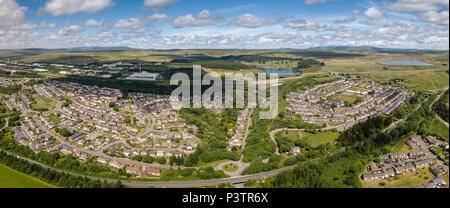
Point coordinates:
[[431, 106], [173, 184]]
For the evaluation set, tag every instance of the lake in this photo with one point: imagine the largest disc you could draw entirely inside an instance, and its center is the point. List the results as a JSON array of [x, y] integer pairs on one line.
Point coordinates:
[[406, 63], [277, 71]]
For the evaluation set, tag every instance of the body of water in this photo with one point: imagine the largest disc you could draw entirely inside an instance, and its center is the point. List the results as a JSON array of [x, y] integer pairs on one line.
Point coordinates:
[[277, 71], [406, 63]]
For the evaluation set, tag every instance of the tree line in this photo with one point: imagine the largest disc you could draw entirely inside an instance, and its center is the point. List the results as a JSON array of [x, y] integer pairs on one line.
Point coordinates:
[[53, 177]]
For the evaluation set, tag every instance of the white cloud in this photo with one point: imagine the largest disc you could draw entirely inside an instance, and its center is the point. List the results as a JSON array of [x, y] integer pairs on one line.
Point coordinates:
[[69, 29], [345, 20], [373, 13], [45, 25], [158, 4], [94, 23], [250, 21], [159, 17], [417, 5], [23, 26], [131, 23], [302, 24], [356, 12], [202, 19], [70, 7], [436, 17], [11, 13], [308, 2]]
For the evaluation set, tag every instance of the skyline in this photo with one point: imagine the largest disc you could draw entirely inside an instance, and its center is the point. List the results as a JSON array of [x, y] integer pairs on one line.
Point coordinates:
[[249, 24]]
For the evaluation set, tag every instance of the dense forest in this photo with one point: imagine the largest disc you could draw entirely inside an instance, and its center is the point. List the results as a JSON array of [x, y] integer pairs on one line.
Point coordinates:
[[10, 89], [126, 86], [19, 74], [441, 107], [213, 132]]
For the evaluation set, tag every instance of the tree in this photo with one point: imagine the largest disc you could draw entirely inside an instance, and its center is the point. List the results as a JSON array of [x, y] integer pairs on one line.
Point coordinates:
[[161, 160], [127, 120]]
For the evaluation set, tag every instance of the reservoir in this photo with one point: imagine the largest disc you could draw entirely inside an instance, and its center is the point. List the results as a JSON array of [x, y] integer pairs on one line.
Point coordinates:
[[276, 71], [406, 63]]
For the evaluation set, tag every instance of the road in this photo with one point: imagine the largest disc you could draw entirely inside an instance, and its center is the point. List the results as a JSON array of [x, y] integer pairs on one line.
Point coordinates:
[[431, 106], [240, 163], [175, 184], [442, 120], [100, 153]]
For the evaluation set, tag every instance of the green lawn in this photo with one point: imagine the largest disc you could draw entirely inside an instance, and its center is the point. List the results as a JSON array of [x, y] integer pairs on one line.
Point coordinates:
[[322, 79], [358, 89], [345, 98], [320, 138], [213, 163], [10, 178], [230, 167], [293, 135], [400, 146], [54, 118]]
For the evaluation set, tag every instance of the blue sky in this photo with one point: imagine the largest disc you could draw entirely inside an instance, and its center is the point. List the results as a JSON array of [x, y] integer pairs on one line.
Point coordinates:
[[168, 24]]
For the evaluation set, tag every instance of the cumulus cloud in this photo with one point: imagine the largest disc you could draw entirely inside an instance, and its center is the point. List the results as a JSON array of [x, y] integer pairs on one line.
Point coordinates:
[[345, 20], [136, 23], [250, 21], [11, 13], [202, 19], [94, 23], [158, 4], [356, 11], [373, 12], [436, 17], [302, 24], [131, 23], [160, 17], [45, 25], [417, 5], [70, 7], [69, 29], [412, 37]]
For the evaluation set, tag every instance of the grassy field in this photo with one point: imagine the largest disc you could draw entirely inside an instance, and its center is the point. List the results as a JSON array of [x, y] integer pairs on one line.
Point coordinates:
[[421, 176], [322, 79], [400, 146], [10, 178], [438, 129], [364, 61], [230, 167], [54, 118], [358, 89], [293, 135], [320, 138], [424, 80], [351, 99], [213, 163]]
